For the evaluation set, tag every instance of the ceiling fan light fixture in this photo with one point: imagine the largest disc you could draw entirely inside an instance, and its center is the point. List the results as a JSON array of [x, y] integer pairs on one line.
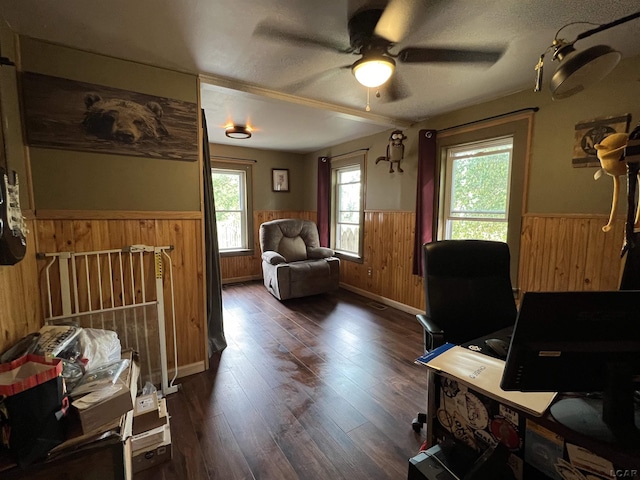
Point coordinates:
[[579, 70], [238, 132], [372, 71]]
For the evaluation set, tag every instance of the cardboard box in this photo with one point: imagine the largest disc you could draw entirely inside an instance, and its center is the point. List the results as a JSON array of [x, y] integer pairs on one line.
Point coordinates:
[[146, 439], [101, 407], [154, 454], [149, 413]]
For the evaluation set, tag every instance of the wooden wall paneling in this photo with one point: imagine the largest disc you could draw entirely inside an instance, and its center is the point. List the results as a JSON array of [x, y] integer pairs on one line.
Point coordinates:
[[184, 234], [563, 256], [189, 303], [20, 296], [579, 239], [537, 255], [569, 253], [547, 267], [388, 251], [593, 256], [378, 259]]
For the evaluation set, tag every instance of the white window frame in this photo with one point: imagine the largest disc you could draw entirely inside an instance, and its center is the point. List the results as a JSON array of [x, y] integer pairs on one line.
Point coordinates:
[[449, 217], [244, 172], [352, 162]]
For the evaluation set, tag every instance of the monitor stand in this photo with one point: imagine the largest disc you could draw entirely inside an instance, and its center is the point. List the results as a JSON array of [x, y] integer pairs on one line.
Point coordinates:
[[611, 419], [584, 415]]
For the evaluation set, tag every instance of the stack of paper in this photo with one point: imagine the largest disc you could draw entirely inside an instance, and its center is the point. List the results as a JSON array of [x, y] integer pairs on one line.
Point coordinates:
[[483, 374]]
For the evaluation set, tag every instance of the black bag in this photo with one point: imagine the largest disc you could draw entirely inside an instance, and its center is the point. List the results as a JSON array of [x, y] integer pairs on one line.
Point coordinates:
[[36, 421]]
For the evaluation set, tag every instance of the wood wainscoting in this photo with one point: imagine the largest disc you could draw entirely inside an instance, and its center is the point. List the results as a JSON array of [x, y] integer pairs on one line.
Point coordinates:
[[557, 252], [388, 251], [569, 252], [184, 234], [388, 255], [20, 308]]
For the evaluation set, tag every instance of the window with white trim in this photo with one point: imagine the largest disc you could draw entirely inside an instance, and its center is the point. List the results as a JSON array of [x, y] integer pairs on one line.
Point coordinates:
[[477, 190], [347, 217], [232, 197]]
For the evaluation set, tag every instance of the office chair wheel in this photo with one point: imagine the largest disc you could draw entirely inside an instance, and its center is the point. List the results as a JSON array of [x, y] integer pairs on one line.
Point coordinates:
[[418, 422]]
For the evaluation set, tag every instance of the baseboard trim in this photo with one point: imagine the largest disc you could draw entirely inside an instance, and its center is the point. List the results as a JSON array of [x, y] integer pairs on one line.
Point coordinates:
[[386, 301], [186, 370], [248, 278]]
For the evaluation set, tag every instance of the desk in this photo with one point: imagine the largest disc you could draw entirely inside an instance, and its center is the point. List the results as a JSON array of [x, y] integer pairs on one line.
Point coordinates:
[[540, 447]]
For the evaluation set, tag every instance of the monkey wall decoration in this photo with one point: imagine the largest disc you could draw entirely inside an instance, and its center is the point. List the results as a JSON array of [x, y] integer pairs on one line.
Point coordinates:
[[395, 150]]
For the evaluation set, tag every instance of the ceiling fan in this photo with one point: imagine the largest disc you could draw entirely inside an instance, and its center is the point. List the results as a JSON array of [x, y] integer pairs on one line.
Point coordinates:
[[373, 32]]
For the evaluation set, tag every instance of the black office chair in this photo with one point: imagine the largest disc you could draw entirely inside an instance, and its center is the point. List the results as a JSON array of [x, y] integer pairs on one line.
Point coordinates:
[[468, 293]]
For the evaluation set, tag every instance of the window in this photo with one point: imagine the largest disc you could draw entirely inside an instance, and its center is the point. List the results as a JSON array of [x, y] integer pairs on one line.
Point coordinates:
[[347, 201], [512, 130], [477, 187], [232, 196]]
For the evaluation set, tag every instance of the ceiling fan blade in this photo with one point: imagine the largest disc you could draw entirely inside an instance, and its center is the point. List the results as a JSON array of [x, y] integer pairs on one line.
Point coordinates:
[[312, 79], [394, 90], [448, 55], [399, 18], [275, 32]]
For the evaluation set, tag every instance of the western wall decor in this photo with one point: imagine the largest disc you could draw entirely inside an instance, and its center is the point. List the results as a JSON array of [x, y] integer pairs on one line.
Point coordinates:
[[395, 150], [71, 115], [588, 133], [280, 179]]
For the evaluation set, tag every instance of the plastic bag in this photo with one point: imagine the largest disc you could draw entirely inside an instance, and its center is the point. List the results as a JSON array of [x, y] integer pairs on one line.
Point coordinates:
[[99, 347], [100, 377], [148, 388]]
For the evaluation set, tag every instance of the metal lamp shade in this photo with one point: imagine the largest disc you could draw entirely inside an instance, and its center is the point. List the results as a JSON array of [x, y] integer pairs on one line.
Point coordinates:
[[579, 70]]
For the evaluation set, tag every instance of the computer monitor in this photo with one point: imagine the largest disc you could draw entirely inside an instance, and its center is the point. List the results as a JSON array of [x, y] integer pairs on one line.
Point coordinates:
[[580, 342]]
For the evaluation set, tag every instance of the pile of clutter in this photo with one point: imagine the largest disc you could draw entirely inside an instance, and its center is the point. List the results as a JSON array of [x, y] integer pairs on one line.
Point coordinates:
[[49, 370]]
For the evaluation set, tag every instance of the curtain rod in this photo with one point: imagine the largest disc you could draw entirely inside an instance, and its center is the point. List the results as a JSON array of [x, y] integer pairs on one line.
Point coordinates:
[[349, 153], [533, 109], [222, 157]]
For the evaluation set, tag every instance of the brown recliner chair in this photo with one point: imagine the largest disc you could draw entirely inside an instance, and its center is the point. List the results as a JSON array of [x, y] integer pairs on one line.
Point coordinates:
[[293, 262]]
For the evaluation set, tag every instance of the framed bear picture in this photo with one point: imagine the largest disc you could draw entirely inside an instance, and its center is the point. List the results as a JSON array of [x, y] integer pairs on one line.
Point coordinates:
[[71, 115]]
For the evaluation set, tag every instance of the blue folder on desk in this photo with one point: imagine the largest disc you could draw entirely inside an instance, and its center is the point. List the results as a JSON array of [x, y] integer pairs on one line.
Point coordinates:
[[483, 374]]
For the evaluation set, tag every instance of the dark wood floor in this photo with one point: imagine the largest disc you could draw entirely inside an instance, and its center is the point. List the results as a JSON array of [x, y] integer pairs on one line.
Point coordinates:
[[318, 388]]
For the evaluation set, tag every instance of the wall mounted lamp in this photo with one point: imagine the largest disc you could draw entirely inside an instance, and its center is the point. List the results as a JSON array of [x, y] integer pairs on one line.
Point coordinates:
[[579, 70], [238, 132]]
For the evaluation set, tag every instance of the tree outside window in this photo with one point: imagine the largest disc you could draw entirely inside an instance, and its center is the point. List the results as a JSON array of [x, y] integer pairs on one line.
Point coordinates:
[[348, 206], [232, 213], [477, 190]]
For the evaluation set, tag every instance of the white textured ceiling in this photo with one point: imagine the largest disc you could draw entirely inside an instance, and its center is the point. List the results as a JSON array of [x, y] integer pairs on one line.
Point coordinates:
[[294, 95]]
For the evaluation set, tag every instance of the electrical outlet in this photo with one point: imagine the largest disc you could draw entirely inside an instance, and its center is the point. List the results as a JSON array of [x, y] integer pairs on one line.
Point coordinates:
[[369, 272]]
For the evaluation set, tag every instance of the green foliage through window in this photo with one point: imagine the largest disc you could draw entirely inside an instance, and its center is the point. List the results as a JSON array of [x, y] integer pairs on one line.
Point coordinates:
[[229, 191], [477, 198]]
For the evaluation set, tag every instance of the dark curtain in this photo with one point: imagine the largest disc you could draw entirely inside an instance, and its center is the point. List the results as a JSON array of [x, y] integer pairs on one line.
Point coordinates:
[[324, 200], [215, 327], [425, 196]]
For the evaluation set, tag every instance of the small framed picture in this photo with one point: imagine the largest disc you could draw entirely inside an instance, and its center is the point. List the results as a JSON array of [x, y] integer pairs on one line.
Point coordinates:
[[280, 179]]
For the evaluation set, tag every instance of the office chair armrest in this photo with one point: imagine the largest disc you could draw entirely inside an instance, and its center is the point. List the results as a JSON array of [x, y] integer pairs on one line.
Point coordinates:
[[431, 330]]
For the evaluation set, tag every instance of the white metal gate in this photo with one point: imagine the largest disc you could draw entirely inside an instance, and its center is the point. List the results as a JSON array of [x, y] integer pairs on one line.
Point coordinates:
[[119, 290]]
